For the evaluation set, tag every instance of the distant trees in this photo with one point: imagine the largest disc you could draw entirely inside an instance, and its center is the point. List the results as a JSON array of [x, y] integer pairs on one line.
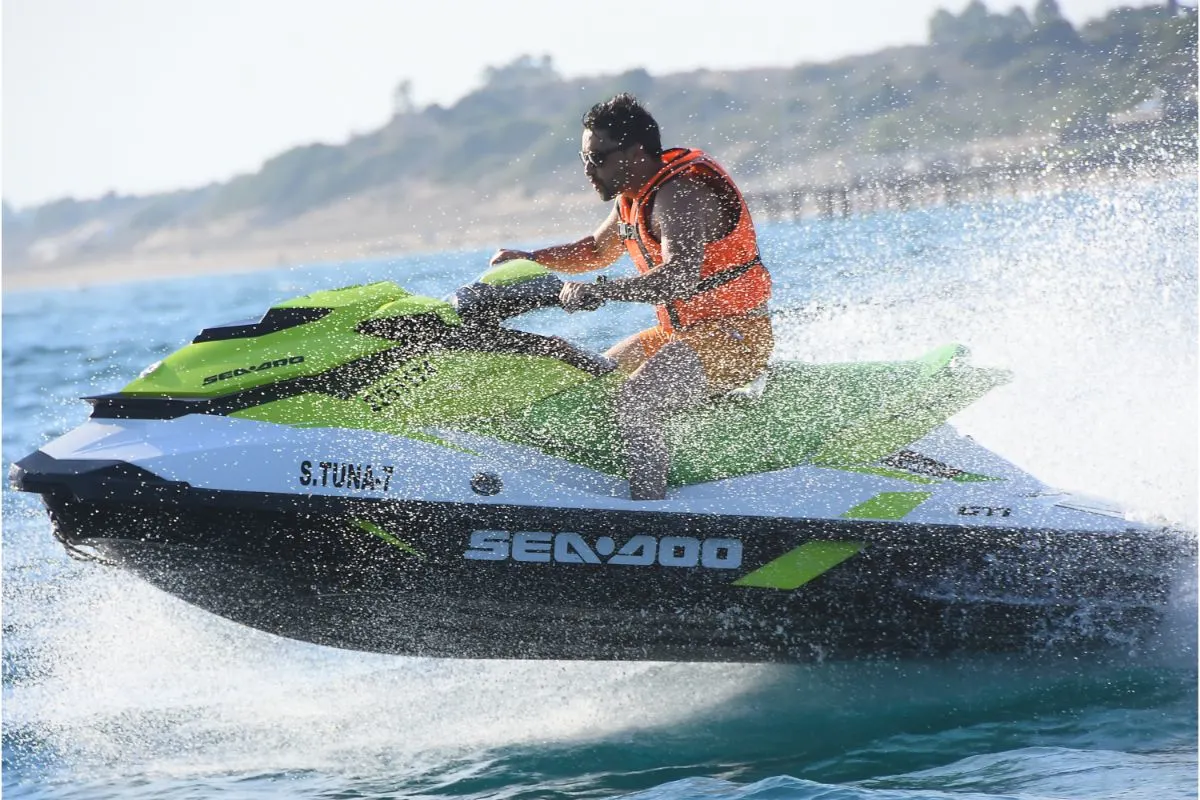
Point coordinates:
[[1047, 13], [1078, 76], [402, 99], [983, 74], [1050, 26], [522, 71], [977, 26]]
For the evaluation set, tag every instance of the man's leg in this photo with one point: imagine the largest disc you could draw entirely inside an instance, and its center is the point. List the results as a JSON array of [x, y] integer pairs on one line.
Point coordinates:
[[671, 380], [633, 351]]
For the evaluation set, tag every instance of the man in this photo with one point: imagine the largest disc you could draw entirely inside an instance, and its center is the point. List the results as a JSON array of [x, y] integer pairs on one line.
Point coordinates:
[[686, 227]]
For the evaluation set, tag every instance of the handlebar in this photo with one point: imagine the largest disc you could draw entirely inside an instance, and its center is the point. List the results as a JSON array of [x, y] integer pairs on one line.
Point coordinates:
[[490, 304]]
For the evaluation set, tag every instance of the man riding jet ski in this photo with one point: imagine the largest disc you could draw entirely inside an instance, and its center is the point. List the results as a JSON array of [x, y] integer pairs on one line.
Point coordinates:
[[687, 229], [371, 469]]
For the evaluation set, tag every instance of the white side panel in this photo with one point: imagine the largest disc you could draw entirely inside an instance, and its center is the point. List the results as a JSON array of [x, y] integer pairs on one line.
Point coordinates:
[[223, 453], [947, 445]]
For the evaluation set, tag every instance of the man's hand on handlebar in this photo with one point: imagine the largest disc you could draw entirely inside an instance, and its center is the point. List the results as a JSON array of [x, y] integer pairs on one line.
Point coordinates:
[[503, 255], [576, 296]]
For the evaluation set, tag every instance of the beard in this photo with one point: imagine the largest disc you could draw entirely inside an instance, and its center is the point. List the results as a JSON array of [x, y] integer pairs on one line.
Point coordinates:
[[605, 191]]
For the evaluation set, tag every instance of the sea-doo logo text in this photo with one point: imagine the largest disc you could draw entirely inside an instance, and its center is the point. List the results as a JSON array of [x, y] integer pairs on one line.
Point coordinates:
[[366, 477], [984, 511], [572, 548], [234, 373], [394, 388]]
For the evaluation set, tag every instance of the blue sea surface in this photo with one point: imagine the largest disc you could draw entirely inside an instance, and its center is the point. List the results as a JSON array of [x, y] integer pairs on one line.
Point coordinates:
[[114, 689]]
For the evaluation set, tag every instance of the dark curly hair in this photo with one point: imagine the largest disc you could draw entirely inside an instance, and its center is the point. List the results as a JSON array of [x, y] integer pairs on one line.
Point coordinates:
[[625, 119]]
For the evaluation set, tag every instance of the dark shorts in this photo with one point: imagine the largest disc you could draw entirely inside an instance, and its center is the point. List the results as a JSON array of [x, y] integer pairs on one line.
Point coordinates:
[[733, 351]]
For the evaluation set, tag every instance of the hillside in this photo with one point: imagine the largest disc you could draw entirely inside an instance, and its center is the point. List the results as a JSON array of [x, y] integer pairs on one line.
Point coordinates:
[[499, 166]]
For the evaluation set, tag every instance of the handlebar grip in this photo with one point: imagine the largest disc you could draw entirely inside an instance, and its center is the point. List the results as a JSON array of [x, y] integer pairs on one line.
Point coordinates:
[[599, 301], [490, 304]]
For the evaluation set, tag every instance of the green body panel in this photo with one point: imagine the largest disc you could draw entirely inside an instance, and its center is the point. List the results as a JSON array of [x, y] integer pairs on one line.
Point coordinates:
[[888, 505], [394, 541], [313, 410], [797, 567], [831, 414], [906, 402], [415, 304], [212, 369], [888, 472], [971, 477], [446, 388], [367, 294], [577, 424], [515, 271]]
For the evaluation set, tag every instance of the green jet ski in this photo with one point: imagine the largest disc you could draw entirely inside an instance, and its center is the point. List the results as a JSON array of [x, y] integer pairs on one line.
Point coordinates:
[[370, 469]]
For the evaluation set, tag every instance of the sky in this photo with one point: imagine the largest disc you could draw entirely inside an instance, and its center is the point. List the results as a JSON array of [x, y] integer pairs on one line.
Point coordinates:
[[142, 96]]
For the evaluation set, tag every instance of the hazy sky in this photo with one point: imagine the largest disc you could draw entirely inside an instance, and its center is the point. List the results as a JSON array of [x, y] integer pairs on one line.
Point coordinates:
[[140, 96]]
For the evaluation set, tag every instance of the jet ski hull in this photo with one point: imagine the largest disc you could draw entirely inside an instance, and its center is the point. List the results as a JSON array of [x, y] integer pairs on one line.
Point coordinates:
[[508, 581], [369, 469]]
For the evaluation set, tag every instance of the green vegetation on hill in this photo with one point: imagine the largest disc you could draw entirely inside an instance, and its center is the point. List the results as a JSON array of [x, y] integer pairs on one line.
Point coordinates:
[[982, 75]]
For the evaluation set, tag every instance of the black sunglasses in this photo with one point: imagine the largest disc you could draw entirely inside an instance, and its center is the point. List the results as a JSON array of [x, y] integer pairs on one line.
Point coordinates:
[[591, 158]]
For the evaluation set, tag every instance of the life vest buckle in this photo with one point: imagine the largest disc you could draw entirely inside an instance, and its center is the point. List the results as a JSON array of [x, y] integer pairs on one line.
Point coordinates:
[[627, 230]]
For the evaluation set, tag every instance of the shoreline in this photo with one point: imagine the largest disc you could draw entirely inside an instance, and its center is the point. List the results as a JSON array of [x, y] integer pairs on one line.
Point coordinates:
[[367, 237], [360, 229], [81, 275]]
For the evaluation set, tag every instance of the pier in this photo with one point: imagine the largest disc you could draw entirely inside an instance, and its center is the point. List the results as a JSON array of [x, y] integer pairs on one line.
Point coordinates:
[[944, 184]]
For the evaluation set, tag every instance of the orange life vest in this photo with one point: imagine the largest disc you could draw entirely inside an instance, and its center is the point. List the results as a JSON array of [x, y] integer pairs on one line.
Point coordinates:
[[733, 279]]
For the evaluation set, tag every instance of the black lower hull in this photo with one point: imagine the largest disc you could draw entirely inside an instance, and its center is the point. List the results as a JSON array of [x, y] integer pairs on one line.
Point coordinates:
[[309, 569]]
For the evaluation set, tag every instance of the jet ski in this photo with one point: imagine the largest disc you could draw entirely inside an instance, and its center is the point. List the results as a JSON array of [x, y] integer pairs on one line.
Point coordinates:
[[371, 469]]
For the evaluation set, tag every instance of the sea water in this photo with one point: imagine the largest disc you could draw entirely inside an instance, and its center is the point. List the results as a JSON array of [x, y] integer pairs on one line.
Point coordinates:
[[113, 689]]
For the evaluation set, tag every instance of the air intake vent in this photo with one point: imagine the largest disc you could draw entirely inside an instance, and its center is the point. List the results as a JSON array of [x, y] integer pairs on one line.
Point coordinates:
[[276, 319]]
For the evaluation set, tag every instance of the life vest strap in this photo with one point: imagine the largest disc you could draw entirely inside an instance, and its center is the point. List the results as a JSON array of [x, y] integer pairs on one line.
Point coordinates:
[[710, 283], [726, 275]]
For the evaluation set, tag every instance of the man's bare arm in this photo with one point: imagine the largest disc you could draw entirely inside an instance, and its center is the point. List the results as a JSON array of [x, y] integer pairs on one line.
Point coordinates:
[[597, 251]]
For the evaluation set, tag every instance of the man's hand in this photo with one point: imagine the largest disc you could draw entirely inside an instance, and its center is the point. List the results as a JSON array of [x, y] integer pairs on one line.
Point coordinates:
[[503, 255], [579, 297]]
